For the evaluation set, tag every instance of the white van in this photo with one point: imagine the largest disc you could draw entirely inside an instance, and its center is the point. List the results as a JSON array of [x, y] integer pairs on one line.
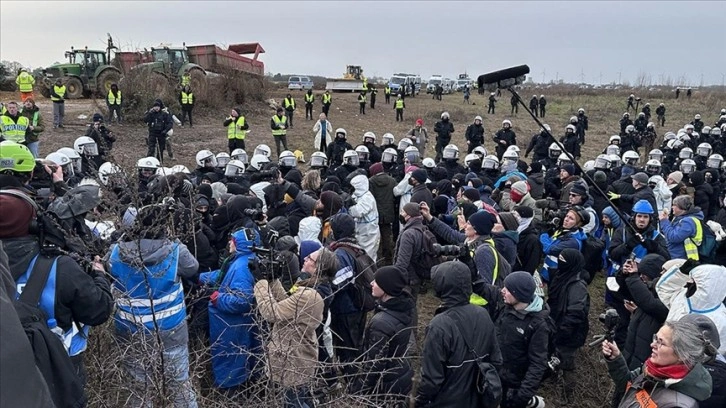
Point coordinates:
[[297, 82]]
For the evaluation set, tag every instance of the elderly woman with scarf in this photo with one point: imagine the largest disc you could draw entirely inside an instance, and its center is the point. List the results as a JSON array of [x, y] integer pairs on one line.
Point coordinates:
[[569, 304], [673, 375]]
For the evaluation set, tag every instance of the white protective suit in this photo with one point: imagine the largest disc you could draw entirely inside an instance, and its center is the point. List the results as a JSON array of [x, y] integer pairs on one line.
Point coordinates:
[[663, 195], [309, 230], [365, 212], [706, 300], [403, 190]]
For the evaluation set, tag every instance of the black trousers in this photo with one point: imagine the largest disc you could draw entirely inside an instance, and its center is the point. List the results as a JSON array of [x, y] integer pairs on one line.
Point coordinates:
[[309, 110], [515, 109], [388, 99], [235, 144], [399, 114], [187, 111], [289, 114], [542, 111], [362, 108], [280, 140], [491, 109], [348, 332], [373, 102], [153, 140], [326, 108]]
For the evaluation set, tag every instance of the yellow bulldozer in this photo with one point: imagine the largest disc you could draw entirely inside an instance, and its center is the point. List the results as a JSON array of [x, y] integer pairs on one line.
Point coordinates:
[[353, 81]]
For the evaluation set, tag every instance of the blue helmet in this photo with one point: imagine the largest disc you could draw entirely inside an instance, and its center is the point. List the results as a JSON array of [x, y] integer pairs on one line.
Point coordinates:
[[643, 207]]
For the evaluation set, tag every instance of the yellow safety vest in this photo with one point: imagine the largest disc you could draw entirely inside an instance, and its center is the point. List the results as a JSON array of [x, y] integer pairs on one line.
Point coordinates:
[[25, 82], [3, 109], [399, 103], [309, 98], [186, 79], [60, 91], [14, 131], [365, 84], [114, 100], [289, 102], [475, 299], [327, 98], [691, 244], [362, 98], [279, 120], [187, 98], [387, 90], [234, 129]]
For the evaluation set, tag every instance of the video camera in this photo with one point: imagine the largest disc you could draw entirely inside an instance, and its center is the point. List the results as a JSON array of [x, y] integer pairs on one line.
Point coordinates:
[[609, 320], [447, 250], [267, 263]]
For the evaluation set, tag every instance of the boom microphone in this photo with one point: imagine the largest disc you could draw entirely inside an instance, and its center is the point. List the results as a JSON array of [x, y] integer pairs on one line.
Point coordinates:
[[503, 78]]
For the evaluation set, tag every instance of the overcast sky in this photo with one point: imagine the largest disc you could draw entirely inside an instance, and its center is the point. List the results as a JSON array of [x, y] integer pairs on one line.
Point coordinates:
[[602, 40]]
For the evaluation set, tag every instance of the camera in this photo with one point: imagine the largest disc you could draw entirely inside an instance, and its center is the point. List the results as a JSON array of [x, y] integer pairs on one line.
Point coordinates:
[[553, 363], [256, 214], [609, 320], [267, 263], [447, 250]]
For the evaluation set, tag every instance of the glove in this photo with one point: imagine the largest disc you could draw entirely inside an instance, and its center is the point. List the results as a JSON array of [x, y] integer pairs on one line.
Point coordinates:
[[213, 297], [613, 196], [688, 266]]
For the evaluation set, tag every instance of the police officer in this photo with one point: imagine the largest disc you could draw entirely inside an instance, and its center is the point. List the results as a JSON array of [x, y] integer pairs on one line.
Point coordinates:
[[515, 105], [159, 123], [533, 104], [327, 100], [492, 102], [387, 94], [289, 104], [279, 125], [399, 106], [58, 96], [113, 102], [309, 99], [474, 134], [660, 112], [13, 124], [542, 106], [237, 128], [362, 103], [374, 92], [186, 100]]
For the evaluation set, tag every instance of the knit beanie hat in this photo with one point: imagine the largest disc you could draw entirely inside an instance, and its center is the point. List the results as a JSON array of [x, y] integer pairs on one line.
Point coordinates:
[[509, 221], [524, 211], [412, 209], [420, 175], [15, 216], [600, 177], [472, 194], [614, 217], [375, 168], [307, 248], [482, 222], [651, 265], [579, 189], [521, 285], [518, 191], [391, 279], [332, 203], [676, 176], [535, 167], [569, 168]]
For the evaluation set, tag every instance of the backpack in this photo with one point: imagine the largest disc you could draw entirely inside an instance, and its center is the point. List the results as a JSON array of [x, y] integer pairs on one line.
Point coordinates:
[[592, 250], [51, 356], [709, 245], [365, 269], [428, 257]]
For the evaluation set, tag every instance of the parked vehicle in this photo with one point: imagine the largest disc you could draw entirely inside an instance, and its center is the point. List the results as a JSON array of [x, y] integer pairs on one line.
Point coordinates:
[[397, 82], [297, 82], [432, 82], [353, 80]]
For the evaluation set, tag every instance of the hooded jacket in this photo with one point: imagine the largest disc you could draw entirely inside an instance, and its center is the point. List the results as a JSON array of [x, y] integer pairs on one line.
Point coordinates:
[[663, 195], [381, 186], [343, 229], [703, 191], [448, 367], [553, 245], [409, 246], [678, 230], [706, 300], [569, 300], [309, 229], [365, 212]]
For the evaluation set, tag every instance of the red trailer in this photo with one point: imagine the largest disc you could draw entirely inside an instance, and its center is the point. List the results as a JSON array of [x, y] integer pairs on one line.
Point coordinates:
[[213, 58]]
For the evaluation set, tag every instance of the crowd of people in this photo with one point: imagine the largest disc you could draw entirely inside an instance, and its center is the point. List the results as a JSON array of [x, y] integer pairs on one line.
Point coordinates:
[[306, 278]]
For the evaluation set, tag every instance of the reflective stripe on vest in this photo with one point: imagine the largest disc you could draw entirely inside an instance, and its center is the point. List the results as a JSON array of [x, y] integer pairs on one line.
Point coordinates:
[[289, 103], [327, 98], [186, 79], [187, 98], [279, 120], [114, 100], [309, 98], [14, 131], [150, 297], [60, 91], [399, 104], [475, 299], [362, 98], [25, 82], [387, 90], [234, 129], [691, 244], [74, 339]]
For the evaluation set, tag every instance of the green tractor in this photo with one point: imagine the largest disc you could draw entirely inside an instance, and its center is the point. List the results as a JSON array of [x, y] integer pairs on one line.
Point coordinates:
[[170, 64], [87, 72]]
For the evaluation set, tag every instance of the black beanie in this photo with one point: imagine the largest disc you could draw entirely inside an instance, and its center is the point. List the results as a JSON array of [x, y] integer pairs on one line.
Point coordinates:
[[521, 285], [391, 279]]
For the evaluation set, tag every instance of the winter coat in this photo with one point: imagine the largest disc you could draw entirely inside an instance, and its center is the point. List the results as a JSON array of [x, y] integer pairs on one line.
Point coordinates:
[[703, 193], [409, 247], [529, 201], [717, 369], [335, 152], [706, 300], [420, 194], [645, 321], [381, 186], [420, 138], [504, 135], [663, 195], [448, 368], [452, 168], [569, 300], [159, 123], [365, 212], [624, 244], [571, 144], [536, 185], [292, 350], [35, 119], [309, 229], [233, 334], [385, 368], [553, 245], [523, 336], [443, 130], [475, 134], [642, 193], [529, 250], [695, 386], [343, 286], [678, 230], [318, 128]]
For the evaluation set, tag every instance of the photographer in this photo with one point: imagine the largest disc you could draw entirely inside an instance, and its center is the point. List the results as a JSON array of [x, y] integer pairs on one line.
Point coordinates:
[[558, 238], [159, 123], [232, 330], [100, 134]]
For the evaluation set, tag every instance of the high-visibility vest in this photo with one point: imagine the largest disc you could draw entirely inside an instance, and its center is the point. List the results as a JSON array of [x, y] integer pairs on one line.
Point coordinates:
[[365, 84], [186, 79], [691, 244], [74, 339], [25, 82], [399, 103], [362, 98], [309, 98], [475, 299], [289, 103], [279, 120], [114, 100], [387, 90], [12, 130], [3, 109], [327, 98], [60, 91], [234, 129], [187, 98]]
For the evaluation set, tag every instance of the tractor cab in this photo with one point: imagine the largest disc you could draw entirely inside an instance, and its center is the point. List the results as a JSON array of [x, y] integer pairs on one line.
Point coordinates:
[[87, 60], [354, 72], [172, 59]]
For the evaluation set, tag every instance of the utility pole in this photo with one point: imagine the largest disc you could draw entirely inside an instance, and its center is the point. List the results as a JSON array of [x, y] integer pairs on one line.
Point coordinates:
[[701, 85], [557, 77], [620, 73], [600, 81], [582, 76], [543, 76]]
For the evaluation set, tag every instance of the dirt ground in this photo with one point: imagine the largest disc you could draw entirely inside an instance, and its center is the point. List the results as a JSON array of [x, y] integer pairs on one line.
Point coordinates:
[[604, 110]]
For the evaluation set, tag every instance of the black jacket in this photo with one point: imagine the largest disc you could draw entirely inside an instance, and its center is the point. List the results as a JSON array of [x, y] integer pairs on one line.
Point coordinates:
[[624, 123], [624, 241], [335, 152], [443, 130], [540, 144], [703, 192], [569, 300], [645, 321], [529, 249], [448, 368], [643, 193], [159, 122], [421, 193], [381, 186], [475, 134], [571, 144], [452, 168], [533, 103], [409, 247], [717, 369]]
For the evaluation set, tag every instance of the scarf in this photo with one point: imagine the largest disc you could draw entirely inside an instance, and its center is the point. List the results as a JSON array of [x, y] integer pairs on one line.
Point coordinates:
[[675, 371], [524, 224]]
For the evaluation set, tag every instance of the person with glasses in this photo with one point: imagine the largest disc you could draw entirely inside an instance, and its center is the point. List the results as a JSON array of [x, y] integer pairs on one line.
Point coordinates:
[[673, 374]]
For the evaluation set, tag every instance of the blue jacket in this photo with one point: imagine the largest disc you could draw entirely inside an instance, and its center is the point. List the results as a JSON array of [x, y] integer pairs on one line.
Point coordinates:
[[678, 230], [344, 281], [232, 330], [552, 246]]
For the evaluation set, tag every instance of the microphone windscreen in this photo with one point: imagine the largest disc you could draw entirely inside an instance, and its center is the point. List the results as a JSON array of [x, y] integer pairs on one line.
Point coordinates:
[[497, 76]]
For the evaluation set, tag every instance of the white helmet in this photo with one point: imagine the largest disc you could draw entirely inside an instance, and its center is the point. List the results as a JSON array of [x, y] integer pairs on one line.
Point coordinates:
[[613, 149], [716, 131], [581, 110], [563, 159], [653, 166], [602, 162], [650, 125], [615, 160], [674, 144], [697, 117], [688, 166], [164, 171], [629, 129], [239, 154], [470, 158], [106, 170], [631, 157], [429, 163], [570, 127], [412, 154], [206, 157], [369, 135], [573, 119], [669, 136], [477, 117], [258, 161], [685, 153], [287, 159], [180, 168], [350, 157], [714, 161], [490, 162], [234, 168], [74, 156], [390, 155], [450, 152], [341, 131], [554, 151], [510, 155], [318, 160], [148, 163], [388, 139], [704, 150], [445, 115], [547, 127], [655, 154], [507, 122], [514, 148], [63, 161], [363, 153], [706, 130], [86, 145], [480, 150], [688, 127], [589, 165], [541, 96], [263, 149], [614, 138], [404, 144], [222, 159]]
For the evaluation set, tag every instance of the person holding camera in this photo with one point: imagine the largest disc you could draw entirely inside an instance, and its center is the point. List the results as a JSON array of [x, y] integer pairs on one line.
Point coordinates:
[[292, 348], [560, 237], [673, 375], [160, 123], [100, 134]]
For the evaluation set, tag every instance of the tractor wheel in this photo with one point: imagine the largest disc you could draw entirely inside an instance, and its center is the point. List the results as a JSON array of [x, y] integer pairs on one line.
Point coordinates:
[[157, 83], [74, 88], [198, 82], [45, 91], [105, 80]]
